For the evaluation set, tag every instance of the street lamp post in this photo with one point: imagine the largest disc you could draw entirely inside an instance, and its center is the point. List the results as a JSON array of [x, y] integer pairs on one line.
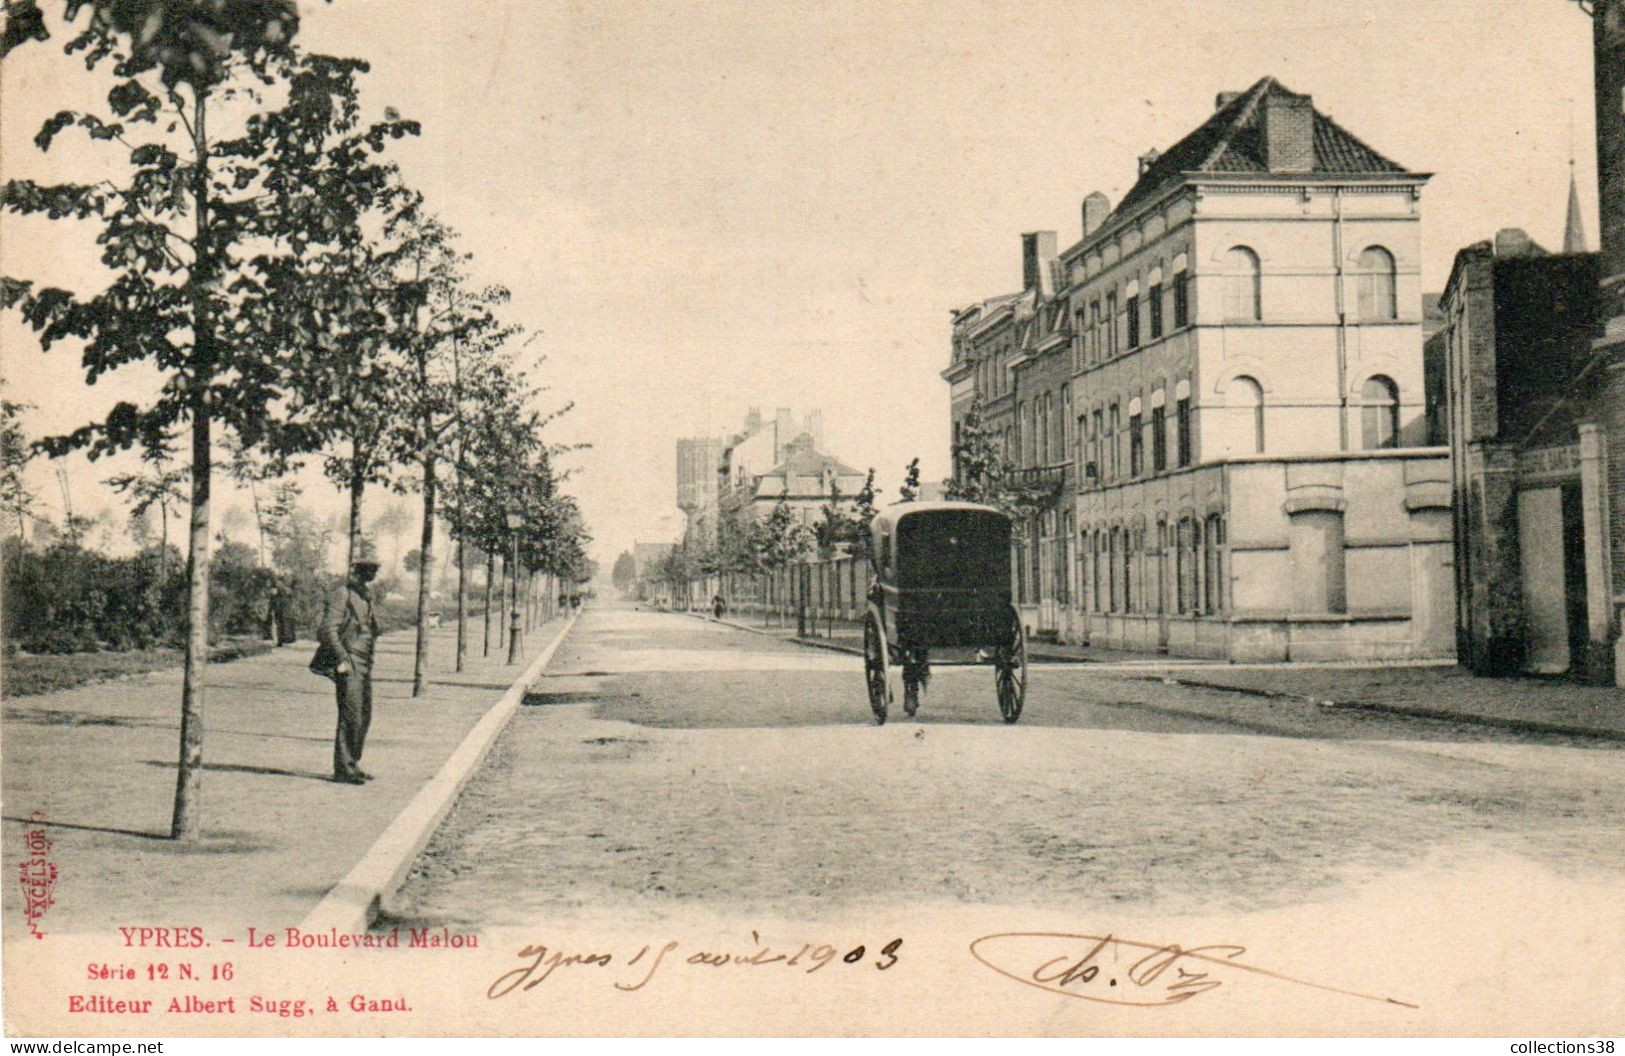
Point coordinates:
[[515, 522]]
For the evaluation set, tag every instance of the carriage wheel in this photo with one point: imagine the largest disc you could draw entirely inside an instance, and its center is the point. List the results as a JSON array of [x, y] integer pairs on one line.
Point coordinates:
[[874, 667], [1010, 668]]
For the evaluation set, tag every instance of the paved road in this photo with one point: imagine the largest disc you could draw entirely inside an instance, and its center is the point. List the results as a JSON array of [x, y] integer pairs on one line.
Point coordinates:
[[668, 763]]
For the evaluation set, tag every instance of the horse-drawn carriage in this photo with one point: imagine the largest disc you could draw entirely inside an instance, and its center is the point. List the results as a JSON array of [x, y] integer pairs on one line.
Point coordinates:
[[941, 594]]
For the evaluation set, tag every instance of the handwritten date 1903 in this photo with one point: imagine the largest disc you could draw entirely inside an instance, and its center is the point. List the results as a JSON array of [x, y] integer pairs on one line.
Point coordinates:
[[540, 962]]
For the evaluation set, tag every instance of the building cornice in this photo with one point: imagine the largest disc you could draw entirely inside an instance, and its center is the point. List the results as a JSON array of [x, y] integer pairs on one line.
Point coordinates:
[[1239, 182]]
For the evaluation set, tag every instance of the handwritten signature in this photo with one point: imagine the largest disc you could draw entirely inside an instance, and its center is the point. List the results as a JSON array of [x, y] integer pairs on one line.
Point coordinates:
[[1118, 971], [541, 961]]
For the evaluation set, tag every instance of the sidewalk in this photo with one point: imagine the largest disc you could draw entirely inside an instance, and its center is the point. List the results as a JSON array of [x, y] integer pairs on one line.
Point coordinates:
[[1421, 690], [98, 763]]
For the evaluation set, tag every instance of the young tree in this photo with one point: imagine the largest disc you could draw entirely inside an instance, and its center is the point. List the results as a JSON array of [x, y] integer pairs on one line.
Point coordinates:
[[834, 525], [393, 522], [910, 491], [624, 571], [16, 500], [328, 286], [863, 514], [980, 468], [172, 228]]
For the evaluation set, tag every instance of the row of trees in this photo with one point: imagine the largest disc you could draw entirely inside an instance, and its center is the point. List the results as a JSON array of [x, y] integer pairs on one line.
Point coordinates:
[[297, 299]]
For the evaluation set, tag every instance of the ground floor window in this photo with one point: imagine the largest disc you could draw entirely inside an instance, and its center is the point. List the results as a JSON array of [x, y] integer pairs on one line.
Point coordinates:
[[1213, 562]]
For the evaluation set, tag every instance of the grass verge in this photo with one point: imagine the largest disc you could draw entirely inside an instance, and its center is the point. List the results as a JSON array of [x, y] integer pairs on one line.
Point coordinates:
[[27, 675]]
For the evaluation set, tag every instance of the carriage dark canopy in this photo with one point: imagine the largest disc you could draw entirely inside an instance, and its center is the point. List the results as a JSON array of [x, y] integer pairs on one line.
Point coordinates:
[[942, 583]]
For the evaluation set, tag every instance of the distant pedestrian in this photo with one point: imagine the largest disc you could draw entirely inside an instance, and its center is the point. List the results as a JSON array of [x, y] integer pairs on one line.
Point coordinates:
[[719, 606], [348, 633], [281, 606]]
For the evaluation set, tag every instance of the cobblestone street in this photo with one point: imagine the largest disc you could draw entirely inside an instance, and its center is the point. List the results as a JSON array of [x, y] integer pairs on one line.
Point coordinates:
[[667, 762]]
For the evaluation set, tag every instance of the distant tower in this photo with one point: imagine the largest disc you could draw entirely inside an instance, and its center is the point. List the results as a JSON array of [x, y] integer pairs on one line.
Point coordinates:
[[1574, 234]]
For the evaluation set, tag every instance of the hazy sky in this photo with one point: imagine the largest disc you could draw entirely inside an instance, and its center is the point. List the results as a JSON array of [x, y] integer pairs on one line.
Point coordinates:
[[705, 207]]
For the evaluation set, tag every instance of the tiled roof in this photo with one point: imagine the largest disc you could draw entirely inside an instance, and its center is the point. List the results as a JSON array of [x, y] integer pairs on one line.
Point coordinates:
[[1231, 141], [808, 462]]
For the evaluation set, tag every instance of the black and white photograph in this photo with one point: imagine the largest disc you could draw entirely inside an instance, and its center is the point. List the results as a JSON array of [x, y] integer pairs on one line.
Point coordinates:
[[536, 518]]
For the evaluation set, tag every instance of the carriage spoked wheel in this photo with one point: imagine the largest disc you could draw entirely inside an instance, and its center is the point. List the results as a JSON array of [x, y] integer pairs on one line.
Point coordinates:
[[874, 667], [1010, 670]]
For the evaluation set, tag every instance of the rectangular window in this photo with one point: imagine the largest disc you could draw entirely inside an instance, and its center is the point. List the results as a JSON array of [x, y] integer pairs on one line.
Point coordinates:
[[1159, 439], [1182, 299], [1063, 443], [1131, 313], [1128, 569], [1092, 473], [1182, 414], [1041, 444], [1080, 338], [1136, 446], [1114, 426], [1111, 324], [1155, 297], [1096, 338]]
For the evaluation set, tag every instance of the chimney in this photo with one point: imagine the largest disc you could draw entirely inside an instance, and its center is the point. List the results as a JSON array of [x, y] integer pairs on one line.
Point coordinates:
[[1037, 252], [1224, 99], [1289, 131], [783, 424], [753, 420], [1096, 208], [1148, 159], [1513, 242], [813, 426]]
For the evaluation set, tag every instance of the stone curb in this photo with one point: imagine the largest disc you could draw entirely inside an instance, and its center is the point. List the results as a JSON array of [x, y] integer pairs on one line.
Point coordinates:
[[355, 901], [1413, 712], [811, 643], [1402, 710], [816, 643]]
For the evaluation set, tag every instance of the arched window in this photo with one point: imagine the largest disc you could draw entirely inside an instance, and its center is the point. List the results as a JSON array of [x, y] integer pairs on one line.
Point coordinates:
[[1379, 413], [1377, 300], [1247, 403], [1242, 284], [1213, 563]]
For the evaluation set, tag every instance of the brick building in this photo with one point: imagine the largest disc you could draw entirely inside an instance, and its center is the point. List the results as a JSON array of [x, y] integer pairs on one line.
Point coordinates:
[[1608, 39], [1531, 592], [1536, 350], [698, 460], [1241, 424]]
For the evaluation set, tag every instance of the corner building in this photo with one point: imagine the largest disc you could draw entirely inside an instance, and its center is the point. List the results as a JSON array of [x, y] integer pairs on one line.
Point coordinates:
[[1245, 416]]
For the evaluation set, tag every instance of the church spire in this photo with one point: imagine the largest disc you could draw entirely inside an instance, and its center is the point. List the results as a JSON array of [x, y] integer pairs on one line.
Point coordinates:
[[1574, 235]]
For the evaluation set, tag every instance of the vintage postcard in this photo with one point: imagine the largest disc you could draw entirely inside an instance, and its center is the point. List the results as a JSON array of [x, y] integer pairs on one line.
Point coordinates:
[[852, 518]]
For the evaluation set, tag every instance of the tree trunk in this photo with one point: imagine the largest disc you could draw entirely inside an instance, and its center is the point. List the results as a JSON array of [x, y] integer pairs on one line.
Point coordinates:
[[185, 824], [490, 576], [358, 484], [462, 601], [259, 518], [420, 663]]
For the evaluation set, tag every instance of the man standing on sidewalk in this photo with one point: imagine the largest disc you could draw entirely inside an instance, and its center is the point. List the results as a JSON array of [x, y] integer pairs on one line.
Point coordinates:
[[348, 633]]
